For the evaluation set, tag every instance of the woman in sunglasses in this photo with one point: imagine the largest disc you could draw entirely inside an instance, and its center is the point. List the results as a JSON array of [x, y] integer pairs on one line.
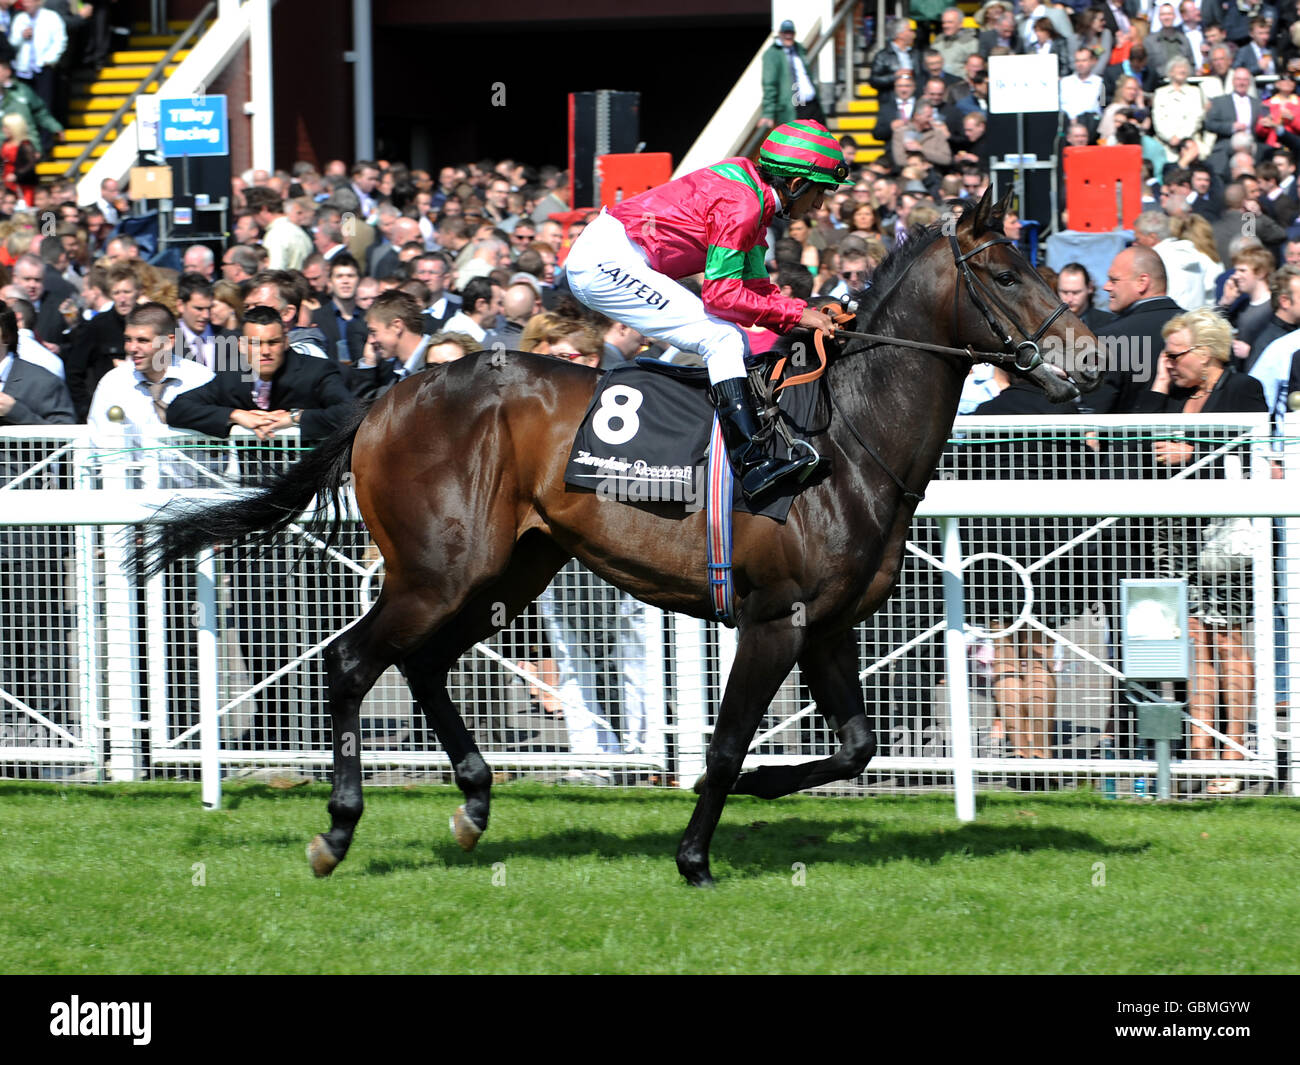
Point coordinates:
[[1192, 377]]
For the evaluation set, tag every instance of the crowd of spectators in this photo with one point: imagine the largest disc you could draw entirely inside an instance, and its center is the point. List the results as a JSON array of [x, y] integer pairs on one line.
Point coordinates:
[[351, 277]]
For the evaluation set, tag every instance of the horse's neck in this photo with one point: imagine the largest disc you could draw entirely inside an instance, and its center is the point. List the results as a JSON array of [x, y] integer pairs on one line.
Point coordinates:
[[901, 399]]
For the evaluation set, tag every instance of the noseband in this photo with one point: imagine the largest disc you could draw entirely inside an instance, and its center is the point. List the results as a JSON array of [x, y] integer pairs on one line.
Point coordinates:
[[1025, 355]]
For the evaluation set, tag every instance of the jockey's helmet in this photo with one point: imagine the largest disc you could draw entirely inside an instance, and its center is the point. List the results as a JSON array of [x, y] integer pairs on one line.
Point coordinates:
[[805, 149]]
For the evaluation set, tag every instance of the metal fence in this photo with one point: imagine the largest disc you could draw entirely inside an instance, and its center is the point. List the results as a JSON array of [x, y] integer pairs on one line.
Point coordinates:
[[214, 667]]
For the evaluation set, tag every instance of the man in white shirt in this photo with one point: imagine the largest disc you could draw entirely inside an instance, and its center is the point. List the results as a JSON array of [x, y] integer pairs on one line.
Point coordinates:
[[1083, 92], [129, 407], [287, 245], [480, 308], [1190, 13], [1190, 273], [39, 37]]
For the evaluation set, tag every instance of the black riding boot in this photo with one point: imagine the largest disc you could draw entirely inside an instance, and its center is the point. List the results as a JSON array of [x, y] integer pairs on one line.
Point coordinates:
[[759, 474]]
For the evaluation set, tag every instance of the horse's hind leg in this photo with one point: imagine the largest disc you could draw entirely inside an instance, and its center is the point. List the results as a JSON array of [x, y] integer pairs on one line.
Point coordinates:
[[531, 568], [830, 669], [355, 661]]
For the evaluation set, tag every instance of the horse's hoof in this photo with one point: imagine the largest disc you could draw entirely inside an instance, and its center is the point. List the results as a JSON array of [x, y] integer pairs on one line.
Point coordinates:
[[701, 880], [321, 857], [464, 829]]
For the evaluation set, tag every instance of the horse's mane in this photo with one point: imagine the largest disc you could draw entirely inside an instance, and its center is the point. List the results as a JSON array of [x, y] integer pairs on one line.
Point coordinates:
[[894, 268]]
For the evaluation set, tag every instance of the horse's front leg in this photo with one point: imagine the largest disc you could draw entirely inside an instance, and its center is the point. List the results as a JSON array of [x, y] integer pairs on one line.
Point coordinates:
[[765, 653], [830, 669]]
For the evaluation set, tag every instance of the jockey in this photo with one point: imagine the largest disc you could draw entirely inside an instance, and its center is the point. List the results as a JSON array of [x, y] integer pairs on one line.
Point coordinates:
[[626, 263]]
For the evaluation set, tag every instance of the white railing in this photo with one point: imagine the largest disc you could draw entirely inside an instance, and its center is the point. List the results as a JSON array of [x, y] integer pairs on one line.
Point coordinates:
[[163, 678]]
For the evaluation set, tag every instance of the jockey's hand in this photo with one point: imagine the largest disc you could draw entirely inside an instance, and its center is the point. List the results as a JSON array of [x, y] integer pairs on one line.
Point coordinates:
[[813, 319]]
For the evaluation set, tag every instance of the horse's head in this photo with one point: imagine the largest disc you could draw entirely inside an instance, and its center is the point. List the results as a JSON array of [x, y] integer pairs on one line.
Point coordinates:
[[1001, 305]]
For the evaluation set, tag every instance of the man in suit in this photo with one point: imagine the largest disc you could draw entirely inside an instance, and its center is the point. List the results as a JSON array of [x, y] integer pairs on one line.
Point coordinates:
[[1075, 288], [431, 268], [1131, 343], [1137, 65], [1238, 219], [339, 319], [279, 612], [99, 344], [29, 394], [897, 55], [1002, 34], [386, 217], [896, 111], [1237, 112], [1259, 57], [280, 388], [196, 340], [29, 276], [1117, 14], [33, 639]]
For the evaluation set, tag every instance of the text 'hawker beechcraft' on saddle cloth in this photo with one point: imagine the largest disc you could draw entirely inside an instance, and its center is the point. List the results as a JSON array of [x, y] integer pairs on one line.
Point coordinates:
[[645, 437]]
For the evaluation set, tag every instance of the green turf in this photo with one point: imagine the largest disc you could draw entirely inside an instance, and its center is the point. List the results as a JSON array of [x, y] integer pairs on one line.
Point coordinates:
[[102, 879]]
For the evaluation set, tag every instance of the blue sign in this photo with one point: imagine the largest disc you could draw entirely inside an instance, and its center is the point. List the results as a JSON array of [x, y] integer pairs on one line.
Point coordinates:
[[193, 125]]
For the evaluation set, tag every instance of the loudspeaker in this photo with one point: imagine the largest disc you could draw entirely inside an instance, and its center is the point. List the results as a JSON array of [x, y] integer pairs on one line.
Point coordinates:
[[600, 123]]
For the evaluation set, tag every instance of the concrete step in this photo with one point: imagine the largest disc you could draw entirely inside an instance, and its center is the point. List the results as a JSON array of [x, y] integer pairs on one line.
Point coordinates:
[[144, 55], [84, 104], [84, 135], [55, 169], [68, 152], [129, 72]]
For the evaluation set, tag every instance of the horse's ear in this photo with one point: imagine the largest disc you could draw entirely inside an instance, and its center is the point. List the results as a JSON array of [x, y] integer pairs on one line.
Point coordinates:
[[983, 211], [1003, 205]]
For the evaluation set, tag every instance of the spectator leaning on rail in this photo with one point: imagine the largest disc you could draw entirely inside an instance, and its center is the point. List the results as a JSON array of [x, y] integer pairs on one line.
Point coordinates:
[[627, 262]]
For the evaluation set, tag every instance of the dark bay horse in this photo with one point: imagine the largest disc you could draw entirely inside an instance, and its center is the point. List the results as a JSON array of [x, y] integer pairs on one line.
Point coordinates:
[[458, 472]]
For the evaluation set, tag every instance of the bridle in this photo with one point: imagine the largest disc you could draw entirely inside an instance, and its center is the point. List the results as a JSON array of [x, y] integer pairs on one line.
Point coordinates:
[[1023, 356], [1026, 355]]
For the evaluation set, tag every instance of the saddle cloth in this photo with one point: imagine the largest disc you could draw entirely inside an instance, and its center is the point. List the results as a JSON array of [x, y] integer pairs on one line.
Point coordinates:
[[645, 438]]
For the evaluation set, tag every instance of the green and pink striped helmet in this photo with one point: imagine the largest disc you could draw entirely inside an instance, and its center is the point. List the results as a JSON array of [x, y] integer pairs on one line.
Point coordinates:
[[804, 149]]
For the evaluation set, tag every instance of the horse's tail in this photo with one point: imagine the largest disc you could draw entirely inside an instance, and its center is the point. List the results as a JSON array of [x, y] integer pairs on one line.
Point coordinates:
[[184, 527]]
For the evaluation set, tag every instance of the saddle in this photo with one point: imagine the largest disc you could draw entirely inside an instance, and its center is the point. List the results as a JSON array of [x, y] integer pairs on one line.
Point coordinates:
[[645, 436]]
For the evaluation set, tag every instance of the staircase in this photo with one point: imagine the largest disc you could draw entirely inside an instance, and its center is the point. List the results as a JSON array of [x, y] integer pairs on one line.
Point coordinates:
[[857, 117], [95, 97]]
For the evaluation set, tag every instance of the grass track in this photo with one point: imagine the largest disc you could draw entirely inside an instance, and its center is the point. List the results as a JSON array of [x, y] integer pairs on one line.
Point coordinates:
[[101, 880]]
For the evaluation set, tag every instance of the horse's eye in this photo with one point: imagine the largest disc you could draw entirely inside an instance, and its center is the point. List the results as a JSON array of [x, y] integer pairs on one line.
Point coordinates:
[[1007, 279]]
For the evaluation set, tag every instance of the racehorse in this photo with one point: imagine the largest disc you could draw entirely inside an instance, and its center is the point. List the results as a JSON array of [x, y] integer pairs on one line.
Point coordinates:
[[458, 473]]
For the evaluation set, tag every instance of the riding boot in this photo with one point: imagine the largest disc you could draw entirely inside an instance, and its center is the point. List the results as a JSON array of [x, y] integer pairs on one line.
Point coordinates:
[[759, 473]]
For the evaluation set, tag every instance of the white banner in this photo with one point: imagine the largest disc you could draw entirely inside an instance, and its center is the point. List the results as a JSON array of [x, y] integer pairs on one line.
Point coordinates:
[[1024, 84]]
